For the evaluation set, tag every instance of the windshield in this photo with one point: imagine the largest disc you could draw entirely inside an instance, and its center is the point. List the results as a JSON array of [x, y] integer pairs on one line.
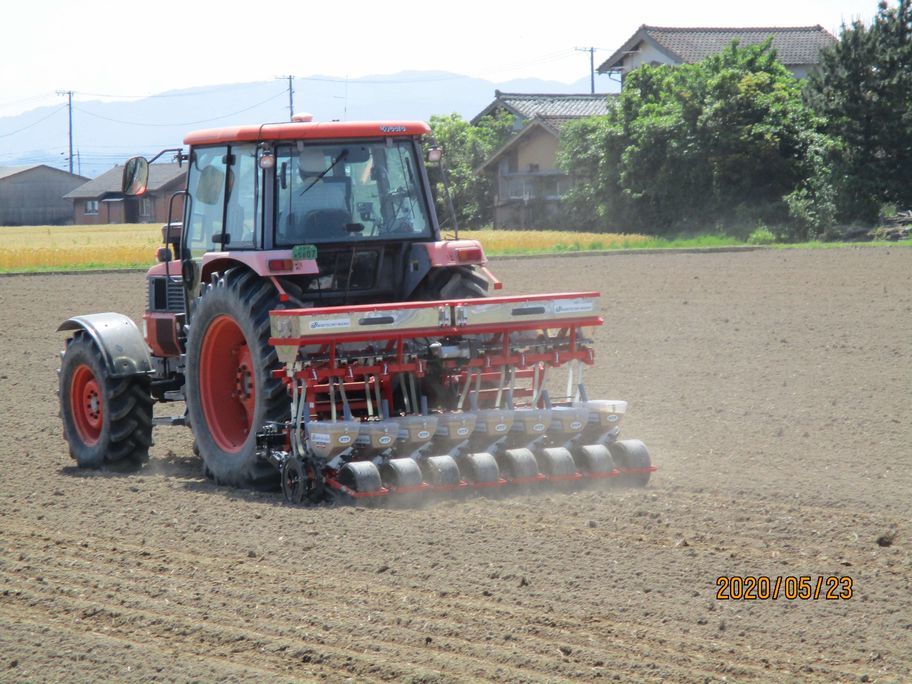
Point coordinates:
[[344, 192]]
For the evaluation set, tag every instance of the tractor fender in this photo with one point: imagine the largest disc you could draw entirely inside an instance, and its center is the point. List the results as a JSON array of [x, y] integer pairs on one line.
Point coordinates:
[[120, 341]]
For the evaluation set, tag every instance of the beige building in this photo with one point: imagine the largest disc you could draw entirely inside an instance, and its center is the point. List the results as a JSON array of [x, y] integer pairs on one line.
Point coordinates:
[[528, 183], [798, 47]]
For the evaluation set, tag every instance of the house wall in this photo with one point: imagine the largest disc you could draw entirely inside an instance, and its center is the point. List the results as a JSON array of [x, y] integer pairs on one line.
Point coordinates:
[[527, 198], [160, 214], [539, 148], [646, 53], [115, 212], [35, 197]]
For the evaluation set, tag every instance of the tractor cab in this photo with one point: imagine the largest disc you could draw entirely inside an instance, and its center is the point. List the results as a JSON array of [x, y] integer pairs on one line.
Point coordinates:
[[332, 213], [345, 208]]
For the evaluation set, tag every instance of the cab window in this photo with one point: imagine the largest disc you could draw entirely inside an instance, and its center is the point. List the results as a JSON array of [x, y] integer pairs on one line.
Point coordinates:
[[243, 198], [206, 185]]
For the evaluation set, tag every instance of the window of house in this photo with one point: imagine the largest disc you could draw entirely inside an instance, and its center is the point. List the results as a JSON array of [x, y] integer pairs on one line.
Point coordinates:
[[145, 207], [91, 207], [512, 162], [533, 168]]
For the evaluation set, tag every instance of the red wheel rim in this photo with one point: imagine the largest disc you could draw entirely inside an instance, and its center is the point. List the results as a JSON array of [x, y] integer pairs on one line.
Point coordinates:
[[227, 384], [86, 405]]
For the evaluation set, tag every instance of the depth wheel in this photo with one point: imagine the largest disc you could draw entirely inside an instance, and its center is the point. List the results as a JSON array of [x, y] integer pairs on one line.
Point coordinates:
[[293, 480], [106, 421], [231, 391], [633, 459]]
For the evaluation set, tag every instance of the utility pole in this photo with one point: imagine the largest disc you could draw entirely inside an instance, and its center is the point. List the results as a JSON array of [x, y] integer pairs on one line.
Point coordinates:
[[69, 94], [290, 80], [591, 51]]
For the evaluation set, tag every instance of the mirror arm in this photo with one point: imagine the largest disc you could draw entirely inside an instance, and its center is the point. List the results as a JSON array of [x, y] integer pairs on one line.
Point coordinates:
[[181, 157]]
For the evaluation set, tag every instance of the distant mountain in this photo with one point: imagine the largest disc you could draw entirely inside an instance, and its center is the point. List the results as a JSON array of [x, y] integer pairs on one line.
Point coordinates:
[[108, 132]]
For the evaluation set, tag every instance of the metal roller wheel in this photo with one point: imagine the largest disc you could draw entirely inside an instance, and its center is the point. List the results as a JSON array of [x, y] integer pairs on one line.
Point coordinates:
[[360, 476], [293, 480], [517, 464], [400, 472], [440, 470], [594, 459], [557, 462], [631, 453], [479, 468]]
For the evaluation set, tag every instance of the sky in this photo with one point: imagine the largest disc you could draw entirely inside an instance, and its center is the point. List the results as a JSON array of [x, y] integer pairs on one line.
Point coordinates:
[[109, 50]]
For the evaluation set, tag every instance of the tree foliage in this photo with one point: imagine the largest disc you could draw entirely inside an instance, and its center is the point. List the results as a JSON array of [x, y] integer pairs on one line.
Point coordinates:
[[864, 93], [467, 146], [727, 141]]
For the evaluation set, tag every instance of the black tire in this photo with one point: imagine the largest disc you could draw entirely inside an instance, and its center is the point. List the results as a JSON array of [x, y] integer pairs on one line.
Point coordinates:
[[106, 421], [236, 307], [459, 282]]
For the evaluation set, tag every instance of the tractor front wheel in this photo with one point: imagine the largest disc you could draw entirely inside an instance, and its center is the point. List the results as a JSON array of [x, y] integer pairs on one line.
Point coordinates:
[[231, 392], [107, 421]]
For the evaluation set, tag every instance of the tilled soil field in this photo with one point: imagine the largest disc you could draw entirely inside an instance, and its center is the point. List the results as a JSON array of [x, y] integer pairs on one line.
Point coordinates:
[[773, 389]]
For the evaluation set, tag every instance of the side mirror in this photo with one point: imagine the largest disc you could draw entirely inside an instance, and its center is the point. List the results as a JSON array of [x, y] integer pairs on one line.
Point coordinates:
[[135, 177]]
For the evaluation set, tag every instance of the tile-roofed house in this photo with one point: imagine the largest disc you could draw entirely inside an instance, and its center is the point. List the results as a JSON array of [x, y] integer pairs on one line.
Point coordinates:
[[798, 47], [101, 200], [34, 195], [528, 182], [527, 105]]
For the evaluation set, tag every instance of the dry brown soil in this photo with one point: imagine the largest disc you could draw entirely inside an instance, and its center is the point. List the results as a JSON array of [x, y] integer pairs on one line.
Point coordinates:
[[772, 387]]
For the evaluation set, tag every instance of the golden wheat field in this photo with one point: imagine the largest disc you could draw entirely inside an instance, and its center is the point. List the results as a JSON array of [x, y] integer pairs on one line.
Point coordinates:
[[29, 248]]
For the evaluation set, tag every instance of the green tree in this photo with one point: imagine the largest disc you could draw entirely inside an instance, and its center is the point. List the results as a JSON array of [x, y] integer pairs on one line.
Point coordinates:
[[723, 142], [466, 147], [864, 93]]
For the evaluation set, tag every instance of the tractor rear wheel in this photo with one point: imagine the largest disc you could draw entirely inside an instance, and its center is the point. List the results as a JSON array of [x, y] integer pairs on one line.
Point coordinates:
[[107, 421], [461, 282], [231, 392]]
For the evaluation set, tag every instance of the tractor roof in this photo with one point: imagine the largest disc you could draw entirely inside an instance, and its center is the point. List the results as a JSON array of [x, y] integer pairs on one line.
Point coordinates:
[[310, 130]]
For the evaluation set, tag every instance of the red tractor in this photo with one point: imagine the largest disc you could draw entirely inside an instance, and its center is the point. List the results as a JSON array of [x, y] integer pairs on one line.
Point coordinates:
[[325, 339]]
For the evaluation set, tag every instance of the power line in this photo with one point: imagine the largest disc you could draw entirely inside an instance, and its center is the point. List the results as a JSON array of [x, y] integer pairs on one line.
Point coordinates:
[[34, 123], [194, 93], [10, 103], [184, 123]]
